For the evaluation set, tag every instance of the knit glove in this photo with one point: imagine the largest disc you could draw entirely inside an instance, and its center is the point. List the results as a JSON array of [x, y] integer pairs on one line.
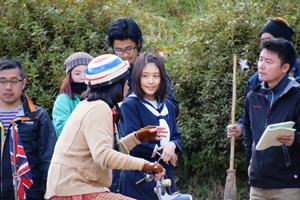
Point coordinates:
[[144, 134], [156, 168]]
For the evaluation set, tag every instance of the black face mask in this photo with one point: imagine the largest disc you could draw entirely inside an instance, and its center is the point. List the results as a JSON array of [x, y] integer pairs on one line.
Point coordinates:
[[78, 88]]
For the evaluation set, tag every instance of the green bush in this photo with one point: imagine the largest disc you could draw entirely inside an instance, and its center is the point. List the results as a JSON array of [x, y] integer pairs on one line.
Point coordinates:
[[201, 70], [42, 34], [198, 38]]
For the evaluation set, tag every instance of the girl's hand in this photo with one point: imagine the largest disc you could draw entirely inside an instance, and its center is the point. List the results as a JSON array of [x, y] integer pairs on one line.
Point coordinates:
[[174, 160], [168, 151]]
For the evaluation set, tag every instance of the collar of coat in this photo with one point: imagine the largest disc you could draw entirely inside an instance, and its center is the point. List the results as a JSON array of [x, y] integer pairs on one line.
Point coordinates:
[[292, 84], [28, 108]]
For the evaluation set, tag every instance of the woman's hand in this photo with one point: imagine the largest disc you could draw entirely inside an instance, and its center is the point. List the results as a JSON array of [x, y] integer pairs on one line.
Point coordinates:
[[151, 133], [168, 151], [156, 168]]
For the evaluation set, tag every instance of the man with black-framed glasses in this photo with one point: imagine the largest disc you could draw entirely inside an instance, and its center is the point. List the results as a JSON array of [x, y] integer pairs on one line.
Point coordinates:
[[126, 39], [35, 130]]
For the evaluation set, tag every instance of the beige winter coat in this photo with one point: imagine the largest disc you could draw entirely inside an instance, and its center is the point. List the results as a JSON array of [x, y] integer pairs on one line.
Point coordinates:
[[83, 155]]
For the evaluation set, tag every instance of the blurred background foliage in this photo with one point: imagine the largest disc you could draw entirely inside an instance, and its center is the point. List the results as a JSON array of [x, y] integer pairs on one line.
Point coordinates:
[[196, 38]]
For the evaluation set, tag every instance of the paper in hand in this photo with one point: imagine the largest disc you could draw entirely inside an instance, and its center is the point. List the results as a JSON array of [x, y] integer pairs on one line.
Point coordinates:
[[270, 134]]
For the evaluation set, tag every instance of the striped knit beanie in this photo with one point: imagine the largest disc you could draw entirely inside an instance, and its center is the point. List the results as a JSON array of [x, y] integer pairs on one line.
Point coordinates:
[[105, 70], [79, 58]]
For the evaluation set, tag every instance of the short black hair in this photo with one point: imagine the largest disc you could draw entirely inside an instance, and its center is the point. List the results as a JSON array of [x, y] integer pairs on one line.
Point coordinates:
[[285, 50], [141, 62], [111, 94], [7, 63], [123, 29]]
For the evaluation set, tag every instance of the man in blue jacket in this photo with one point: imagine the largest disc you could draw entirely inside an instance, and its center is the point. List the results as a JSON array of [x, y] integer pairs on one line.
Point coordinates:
[[274, 173], [35, 129], [275, 28]]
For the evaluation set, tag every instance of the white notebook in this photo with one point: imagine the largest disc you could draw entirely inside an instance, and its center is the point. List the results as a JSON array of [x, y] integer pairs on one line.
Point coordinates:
[[270, 134]]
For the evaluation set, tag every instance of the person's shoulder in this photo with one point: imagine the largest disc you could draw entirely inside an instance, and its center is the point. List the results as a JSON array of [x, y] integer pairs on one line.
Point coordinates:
[[97, 108], [297, 62], [62, 97], [296, 66], [129, 101], [254, 77], [91, 104], [169, 105], [254, 90], [40, 111]]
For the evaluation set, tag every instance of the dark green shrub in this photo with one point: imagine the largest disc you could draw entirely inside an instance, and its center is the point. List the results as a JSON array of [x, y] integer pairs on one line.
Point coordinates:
[[42, 34], [201, 67]]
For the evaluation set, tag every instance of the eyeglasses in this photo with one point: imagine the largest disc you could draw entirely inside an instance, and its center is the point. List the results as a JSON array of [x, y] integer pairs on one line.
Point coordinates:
[[129, 50], [78, 74], [3, 82]]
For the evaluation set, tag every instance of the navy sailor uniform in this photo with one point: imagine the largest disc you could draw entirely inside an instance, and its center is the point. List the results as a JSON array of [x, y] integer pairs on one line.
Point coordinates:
[[136, 116]]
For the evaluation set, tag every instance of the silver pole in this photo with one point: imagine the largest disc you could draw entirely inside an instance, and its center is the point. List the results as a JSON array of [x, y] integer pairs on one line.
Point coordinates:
[[13, 135]]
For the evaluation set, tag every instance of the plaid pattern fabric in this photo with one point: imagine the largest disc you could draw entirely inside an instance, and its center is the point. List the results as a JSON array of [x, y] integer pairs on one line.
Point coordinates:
[[95, 196], [111, 196], [77, 197]]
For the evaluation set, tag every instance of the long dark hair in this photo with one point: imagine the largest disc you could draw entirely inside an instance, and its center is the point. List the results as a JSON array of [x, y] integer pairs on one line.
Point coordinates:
[[66, 86], [112, 94], [141, 62]]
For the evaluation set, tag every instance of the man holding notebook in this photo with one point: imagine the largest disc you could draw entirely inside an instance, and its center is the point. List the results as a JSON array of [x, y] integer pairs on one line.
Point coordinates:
[[274, 173]]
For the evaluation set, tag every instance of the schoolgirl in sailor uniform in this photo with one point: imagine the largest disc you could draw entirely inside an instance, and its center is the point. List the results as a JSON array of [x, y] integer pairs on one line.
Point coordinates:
[[148, 106]]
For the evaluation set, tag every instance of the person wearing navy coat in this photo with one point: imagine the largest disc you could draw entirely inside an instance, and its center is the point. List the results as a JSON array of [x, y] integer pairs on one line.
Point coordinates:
[[148, 106]]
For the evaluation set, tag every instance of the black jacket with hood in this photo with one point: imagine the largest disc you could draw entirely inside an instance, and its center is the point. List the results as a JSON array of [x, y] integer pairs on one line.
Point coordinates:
[[38, 139], [274, 167]]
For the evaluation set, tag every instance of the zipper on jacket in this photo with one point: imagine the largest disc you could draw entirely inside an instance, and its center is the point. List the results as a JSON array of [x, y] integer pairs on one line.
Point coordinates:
[[285, 151], [1, 170], [1, 140], [269, 106], [266, 124], [267, 117], [272, 98], [259, 172], [284, 147], [286, 156]]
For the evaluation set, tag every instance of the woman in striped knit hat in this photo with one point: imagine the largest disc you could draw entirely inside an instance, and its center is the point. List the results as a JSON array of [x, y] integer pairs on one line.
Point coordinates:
[[71, 89], [83, 159]]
